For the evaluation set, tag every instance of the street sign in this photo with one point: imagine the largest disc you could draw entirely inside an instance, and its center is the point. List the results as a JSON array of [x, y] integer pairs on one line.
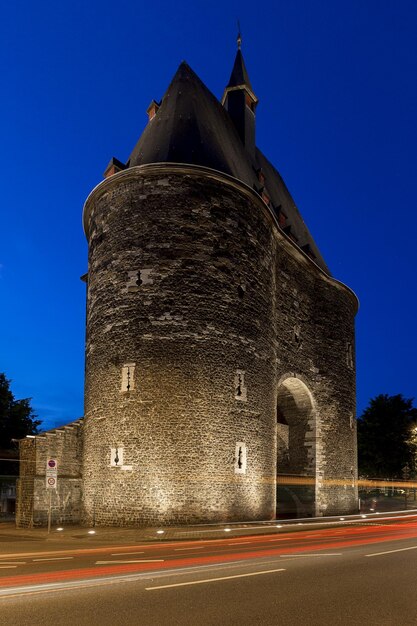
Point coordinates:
[[51, 473]]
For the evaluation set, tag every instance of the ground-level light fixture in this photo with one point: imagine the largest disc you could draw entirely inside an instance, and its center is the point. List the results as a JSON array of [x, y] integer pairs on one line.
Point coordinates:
[[91, 532], [227, 530], [59, 529], [160, 532]]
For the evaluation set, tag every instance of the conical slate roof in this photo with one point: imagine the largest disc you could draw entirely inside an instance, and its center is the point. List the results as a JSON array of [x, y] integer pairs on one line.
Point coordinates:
[[191, 126]]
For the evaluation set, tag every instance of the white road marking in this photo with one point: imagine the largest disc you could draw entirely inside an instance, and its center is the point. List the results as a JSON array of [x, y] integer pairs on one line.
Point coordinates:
[[391, 551], [57, 558], [7, 566], [213, 580], [12, 563], [126, 553], [180, 549], [137, 561], [283, 556]]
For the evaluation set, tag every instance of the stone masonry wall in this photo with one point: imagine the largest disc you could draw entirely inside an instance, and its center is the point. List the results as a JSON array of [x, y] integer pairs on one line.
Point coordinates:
[[25, 483], [65, 445], [181, 285], [198, 310], [315, 331]]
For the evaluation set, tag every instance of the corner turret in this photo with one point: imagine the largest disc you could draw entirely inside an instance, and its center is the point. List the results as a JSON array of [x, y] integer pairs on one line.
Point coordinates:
[[240, 101]]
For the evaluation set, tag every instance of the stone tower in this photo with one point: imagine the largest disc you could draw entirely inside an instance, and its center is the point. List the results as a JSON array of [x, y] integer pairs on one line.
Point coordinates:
[[219, 350]]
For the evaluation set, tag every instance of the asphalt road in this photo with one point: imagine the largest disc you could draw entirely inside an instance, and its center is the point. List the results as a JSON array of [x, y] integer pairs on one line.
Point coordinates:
[[355, 574]]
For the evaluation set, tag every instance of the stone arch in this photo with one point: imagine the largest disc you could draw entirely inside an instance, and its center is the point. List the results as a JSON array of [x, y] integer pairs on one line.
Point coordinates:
[[297, 447]]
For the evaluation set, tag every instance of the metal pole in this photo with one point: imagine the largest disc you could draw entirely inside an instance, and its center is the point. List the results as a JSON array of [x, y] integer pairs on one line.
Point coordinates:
[[49, 511]]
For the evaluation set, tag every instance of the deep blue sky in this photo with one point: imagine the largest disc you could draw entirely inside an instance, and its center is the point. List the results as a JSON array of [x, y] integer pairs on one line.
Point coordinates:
[[337, 83]]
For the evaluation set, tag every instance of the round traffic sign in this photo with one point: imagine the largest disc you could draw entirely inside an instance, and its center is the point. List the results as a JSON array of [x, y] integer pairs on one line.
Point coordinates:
[[51, 481], [51, 463]]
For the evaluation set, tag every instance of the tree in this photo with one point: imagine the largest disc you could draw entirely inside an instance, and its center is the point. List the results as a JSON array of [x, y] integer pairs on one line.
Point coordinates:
[[386, 437], [17, 418]]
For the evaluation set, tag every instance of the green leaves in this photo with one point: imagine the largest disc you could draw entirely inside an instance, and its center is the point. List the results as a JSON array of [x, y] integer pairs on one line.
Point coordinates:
[[17, 418], [387, 440]]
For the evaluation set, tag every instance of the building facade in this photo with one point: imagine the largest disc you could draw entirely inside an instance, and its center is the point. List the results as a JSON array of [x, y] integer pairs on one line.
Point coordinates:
[[219, 349]]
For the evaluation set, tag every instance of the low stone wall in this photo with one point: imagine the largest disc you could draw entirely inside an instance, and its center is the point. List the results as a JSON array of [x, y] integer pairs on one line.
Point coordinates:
[[64, 445]]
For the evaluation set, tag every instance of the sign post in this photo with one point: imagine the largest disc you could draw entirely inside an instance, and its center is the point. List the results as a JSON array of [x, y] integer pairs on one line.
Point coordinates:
[[51, 477], [406, 476]]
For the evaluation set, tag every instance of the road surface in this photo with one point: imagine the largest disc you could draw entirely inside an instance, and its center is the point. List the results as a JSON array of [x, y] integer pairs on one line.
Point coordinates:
[[361, 573]]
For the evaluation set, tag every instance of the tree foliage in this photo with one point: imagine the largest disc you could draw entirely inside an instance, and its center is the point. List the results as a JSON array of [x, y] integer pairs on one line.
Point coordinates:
[[386, 437], [17, 418]]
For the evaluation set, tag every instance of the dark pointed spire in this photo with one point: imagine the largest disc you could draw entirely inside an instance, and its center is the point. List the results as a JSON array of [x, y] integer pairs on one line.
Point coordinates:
[[239, 36], [239, 76], [240, 101]]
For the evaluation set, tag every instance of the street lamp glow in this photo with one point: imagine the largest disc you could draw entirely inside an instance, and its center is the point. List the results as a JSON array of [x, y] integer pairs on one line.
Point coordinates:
[[160, 532], [227, 530], [91, 532]]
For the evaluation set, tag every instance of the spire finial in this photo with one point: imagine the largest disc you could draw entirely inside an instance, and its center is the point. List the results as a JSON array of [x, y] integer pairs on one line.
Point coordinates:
[[239, 36]]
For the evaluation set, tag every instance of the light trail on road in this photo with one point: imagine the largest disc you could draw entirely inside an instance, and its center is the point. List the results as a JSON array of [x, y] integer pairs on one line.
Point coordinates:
[[82, 563]]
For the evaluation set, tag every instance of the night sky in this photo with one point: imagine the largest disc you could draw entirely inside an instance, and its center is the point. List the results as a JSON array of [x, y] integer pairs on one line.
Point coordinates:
[[337, 84]]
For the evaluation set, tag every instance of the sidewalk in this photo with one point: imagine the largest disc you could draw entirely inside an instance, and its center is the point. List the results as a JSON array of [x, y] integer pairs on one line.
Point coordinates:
[[38, 538]]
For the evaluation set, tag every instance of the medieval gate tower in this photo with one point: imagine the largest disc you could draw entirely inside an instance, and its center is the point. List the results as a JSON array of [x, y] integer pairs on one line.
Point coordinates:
[[219, 349]]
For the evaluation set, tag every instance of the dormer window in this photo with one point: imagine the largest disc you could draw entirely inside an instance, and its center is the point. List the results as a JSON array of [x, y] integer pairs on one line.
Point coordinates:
[[265, 198], [281, 216], [261, 176], [153, 109], [288, 231], [113, 167], [309, 252]]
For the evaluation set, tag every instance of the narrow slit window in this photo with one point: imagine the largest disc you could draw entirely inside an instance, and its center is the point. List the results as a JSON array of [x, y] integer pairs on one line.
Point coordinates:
[[240, 387], [116, 456], [128, 380], [349, 355], [240, 458]]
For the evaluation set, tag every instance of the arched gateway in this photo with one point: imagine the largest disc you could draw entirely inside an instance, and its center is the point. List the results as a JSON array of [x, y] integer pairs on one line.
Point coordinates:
[[298, 439]]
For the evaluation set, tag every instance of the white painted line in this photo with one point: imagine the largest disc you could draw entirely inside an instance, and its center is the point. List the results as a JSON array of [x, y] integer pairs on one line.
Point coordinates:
[[391, 551], [137, 561], [181, 549], [7, 566], [213, 580], [12, 562], [57, 558], [126, 553], [283, 556]]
